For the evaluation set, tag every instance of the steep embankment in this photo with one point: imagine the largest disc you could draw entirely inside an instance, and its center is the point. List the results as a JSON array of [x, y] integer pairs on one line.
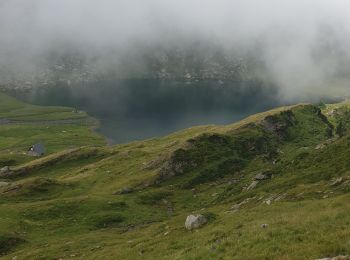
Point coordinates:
[[274, 185]]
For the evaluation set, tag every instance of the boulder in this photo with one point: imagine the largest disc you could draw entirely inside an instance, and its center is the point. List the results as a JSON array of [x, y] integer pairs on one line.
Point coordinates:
[[5, 169], [195, 221]]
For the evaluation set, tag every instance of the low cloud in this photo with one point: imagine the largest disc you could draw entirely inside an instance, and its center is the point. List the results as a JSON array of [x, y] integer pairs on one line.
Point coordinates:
[[302, 46]]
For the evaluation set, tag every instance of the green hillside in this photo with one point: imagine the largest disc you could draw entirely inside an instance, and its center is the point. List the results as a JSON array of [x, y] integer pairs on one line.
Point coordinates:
[[273, 186]]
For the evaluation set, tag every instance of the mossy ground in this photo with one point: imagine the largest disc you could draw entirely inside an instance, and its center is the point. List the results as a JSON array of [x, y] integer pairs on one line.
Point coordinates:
[[69, 204]]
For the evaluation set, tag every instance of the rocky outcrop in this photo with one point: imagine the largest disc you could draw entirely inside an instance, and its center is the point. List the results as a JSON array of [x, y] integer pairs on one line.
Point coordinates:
[[177, 164], [279, 123]]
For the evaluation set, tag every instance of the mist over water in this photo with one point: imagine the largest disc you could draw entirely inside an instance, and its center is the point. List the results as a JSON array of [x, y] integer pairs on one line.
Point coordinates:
[[148, 68], [137, 109], [300, 46]]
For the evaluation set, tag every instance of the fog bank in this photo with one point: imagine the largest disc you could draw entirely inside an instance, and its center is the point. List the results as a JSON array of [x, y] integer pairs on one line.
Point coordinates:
[[299, 46]]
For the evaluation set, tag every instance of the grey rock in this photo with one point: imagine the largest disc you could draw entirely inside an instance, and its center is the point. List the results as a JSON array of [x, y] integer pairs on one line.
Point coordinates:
[[320, 146], [124, 190], [5, 169], [195, 221], [337, 181], [263, 176], [235, 207], [253, 185], [260, 177]]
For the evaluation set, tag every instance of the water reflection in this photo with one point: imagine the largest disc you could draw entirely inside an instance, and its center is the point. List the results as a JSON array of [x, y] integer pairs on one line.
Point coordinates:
[[137, 109]]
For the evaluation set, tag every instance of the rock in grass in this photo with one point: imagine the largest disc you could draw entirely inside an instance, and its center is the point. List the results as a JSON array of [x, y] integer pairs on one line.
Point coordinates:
[[263, 176], [236, 207], [320, 146], [4, 170], [124, 190], [260, 177], [195, 221], [264, 225], [253, 185], [337, 181]]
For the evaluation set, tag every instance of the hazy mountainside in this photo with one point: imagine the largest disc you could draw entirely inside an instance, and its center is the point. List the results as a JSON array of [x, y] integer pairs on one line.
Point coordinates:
[[189, 60], [272, 186], [191, 63]]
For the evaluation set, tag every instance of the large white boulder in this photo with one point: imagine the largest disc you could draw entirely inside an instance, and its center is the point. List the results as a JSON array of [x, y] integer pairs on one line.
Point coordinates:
[[195, 221]]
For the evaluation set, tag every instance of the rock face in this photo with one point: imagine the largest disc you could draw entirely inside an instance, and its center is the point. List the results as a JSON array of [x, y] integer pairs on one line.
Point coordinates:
[[177, 164], [195, 221], [279, 124]]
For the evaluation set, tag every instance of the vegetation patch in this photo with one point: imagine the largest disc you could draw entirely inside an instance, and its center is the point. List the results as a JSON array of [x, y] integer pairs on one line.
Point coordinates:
[[108, 221], [36, 188], [153, 198], [9, 243]]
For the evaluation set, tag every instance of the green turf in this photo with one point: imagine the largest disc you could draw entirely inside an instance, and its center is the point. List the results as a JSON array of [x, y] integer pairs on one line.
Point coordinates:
[[87, 201], [58, 128]]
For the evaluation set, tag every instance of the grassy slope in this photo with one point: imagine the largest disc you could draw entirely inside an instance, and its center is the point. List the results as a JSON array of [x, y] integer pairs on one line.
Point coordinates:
[[67, 205], [57, 127]]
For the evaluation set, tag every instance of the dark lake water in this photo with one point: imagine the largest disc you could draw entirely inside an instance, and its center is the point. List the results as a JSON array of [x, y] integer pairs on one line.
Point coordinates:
[[137, 109]]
